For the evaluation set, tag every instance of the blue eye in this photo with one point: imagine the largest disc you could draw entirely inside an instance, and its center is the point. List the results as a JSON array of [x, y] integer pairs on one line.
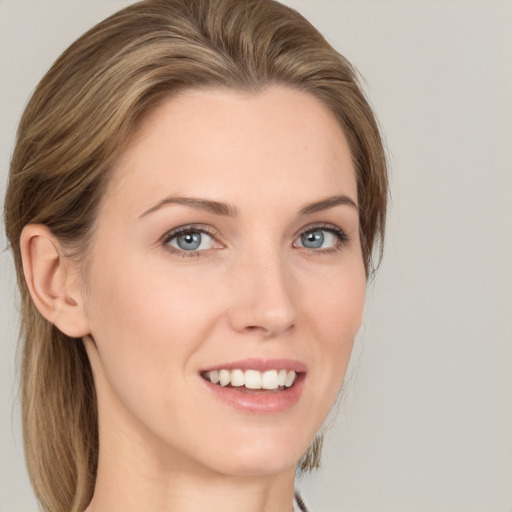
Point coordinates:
[[189, 240], [192, 241], [313, 239], [316, 238]]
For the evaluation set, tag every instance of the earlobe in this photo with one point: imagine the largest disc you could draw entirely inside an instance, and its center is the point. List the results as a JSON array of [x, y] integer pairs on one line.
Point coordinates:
[[51, 280]]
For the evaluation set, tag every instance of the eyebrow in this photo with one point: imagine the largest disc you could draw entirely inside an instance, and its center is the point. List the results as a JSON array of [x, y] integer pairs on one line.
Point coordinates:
[[228, 210]]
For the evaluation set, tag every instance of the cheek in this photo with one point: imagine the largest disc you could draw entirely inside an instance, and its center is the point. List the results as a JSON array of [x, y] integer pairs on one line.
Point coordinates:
[[147, 330], [334, 303], [146, 327], [335, 310], [151, 309]]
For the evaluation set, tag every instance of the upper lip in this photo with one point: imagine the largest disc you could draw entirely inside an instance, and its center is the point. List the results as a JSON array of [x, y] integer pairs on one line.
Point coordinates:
[[260, 365]]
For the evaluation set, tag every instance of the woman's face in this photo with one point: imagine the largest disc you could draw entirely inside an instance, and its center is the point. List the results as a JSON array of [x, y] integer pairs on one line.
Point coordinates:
[[216, 257]]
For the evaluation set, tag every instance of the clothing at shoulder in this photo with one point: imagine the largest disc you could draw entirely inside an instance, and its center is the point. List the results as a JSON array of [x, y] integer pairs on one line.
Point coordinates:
[[298, 503]]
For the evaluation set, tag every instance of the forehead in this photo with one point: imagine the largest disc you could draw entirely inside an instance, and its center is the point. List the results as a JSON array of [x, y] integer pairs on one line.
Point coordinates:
[[218, 141]]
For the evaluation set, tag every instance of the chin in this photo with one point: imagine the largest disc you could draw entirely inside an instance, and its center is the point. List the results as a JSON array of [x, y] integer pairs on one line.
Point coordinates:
[[263, 466], [258, 456]]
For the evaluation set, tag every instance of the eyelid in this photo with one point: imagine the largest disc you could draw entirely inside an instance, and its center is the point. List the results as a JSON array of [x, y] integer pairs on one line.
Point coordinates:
[[321, 226], [200, 228]]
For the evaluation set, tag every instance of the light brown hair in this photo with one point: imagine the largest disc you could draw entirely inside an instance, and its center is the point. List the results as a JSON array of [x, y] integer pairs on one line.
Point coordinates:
[[76, 125]]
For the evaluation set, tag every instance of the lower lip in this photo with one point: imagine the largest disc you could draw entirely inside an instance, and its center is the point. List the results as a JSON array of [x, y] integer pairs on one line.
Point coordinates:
[[261, 403]]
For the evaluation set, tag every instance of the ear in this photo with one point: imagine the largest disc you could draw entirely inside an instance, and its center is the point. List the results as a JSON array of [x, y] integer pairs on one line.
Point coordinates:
[[53, 280]]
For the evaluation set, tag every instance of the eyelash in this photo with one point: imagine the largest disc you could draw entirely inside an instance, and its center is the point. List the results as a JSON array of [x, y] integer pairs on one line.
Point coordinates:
[[342, 237]]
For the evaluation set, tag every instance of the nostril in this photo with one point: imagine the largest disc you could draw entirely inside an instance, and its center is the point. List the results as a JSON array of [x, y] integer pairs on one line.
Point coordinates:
[[256, 329]]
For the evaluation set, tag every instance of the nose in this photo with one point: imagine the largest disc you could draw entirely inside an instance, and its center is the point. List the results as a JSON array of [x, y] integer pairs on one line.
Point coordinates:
[[262, 300]]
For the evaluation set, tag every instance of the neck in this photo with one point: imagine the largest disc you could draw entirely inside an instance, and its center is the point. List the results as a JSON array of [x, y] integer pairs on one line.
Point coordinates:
[[184, 492], [144, 487]]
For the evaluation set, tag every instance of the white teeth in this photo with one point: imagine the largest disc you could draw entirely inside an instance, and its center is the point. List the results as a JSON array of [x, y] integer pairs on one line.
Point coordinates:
[[269, 380], [225, 377], [237, 378], [252, 379], [290, 378]]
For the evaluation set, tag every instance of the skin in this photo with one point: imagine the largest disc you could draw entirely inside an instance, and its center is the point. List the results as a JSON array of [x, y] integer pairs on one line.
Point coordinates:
[[154, 320]]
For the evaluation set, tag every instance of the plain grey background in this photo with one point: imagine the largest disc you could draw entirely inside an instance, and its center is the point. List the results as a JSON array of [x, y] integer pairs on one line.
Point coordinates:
[[426, 424]]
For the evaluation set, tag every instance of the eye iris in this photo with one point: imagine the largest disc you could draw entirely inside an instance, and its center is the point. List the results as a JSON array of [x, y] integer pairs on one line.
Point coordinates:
[[313, 239], [189, 241]]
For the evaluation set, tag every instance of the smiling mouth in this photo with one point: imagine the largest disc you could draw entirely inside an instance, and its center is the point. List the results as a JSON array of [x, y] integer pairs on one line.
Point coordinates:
[[252, 381]]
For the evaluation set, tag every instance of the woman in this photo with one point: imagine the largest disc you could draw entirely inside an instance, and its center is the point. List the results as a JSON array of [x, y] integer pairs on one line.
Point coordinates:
[[195, 196]]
